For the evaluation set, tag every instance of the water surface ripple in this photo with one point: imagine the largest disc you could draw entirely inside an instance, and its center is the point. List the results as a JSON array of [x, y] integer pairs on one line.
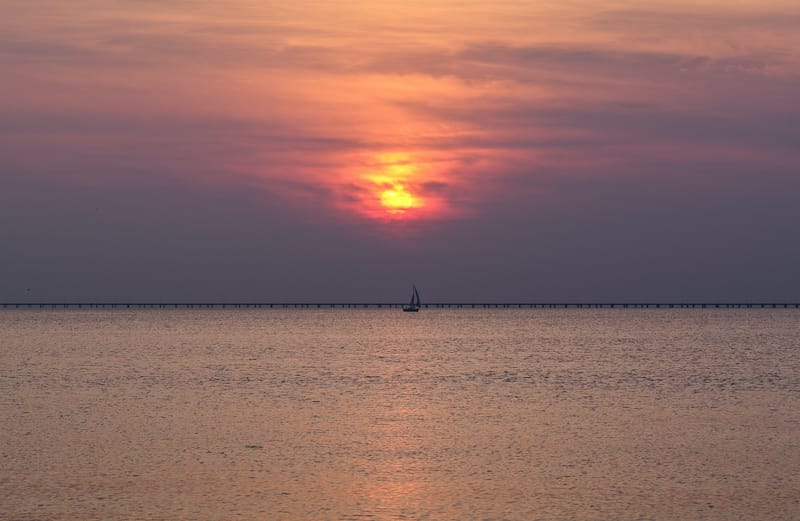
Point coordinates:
[[380, 415]]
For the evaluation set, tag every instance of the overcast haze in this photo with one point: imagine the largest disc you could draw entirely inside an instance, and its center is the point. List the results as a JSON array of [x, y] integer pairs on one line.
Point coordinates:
[[339, 151]]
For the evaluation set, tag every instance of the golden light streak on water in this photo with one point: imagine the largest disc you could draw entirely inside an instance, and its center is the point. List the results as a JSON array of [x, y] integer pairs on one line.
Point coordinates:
[[344, 414]]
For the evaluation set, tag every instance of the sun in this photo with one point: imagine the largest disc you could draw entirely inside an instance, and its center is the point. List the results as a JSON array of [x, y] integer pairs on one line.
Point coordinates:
[[398, 187], [394, 178], [397, 199]]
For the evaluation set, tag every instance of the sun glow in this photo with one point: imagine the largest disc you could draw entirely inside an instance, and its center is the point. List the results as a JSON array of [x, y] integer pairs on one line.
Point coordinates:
[[408, 186], [393, 184], [397, 199]]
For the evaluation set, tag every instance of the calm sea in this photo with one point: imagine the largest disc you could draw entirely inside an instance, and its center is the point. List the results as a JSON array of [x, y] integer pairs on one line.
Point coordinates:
[[382, 415]]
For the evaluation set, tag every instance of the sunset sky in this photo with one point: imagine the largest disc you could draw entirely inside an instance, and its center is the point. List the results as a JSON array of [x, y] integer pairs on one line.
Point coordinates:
[[248, 150]]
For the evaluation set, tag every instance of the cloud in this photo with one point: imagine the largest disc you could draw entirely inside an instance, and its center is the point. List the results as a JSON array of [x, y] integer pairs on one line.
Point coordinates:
[[677, 20], [515, 124], [230, 147], [609, 64]]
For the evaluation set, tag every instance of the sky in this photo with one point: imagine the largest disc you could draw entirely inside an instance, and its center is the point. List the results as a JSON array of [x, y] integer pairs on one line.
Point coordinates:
[[506, 151]]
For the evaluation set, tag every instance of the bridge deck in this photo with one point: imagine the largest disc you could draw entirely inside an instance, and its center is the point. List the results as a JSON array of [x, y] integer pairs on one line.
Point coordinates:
[[377, 305]]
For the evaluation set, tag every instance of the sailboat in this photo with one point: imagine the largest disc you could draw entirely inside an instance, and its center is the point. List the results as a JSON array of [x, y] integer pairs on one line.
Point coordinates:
[[414, 305]]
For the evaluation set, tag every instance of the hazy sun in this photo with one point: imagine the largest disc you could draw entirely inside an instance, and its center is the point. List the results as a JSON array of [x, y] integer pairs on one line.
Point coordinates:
[[393, 179], [396, 187], [397, 199]]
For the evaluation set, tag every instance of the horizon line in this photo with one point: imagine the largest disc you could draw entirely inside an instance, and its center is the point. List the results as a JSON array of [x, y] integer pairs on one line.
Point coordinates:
[[389, 305]]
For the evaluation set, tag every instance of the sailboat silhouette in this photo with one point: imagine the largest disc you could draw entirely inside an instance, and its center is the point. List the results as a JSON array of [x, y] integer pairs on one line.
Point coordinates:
[[414, 305]]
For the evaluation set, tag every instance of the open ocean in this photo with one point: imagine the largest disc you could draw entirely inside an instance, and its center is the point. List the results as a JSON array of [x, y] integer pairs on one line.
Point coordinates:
[[596, 415]]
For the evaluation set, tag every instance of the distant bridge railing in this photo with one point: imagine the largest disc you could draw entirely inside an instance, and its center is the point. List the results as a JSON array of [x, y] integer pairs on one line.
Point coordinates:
[[389, 305]]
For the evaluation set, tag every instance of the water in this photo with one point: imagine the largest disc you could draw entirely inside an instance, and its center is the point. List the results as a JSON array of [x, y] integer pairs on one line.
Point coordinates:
[[377, 414]]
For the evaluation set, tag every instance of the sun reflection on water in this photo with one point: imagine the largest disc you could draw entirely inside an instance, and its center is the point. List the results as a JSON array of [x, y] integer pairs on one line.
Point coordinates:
[[400, 483]]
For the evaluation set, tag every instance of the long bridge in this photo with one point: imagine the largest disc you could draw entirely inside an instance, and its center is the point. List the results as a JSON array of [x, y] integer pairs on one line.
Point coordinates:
[[380, 305]]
